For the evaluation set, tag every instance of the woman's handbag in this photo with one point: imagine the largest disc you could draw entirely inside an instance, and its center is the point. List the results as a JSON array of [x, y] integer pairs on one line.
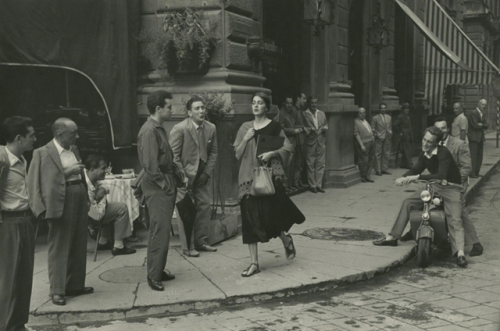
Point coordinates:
[[262, 181]]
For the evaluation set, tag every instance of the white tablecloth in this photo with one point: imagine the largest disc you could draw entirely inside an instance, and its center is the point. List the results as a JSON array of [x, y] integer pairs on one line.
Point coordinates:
[[120, 191]]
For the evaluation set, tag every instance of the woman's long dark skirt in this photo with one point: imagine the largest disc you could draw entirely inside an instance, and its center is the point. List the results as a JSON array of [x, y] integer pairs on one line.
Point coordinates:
[[265, 217]]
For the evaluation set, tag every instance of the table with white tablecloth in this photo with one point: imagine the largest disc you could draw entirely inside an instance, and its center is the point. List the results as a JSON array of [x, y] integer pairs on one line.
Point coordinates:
[[121, 191]]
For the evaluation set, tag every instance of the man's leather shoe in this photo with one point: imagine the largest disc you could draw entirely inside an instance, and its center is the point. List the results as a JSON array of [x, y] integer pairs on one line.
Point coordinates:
[[320, 190], [190, 253], [477, 249], [313, 190], [378, 174], [474, 176], [122, 251], [363, 180], [407, 237], [166, 277], [155, 285], [369, 180], [58, 299], [461, 261], [384, 242], [206, 248], [386, 172], [105, 247], [74, 293]]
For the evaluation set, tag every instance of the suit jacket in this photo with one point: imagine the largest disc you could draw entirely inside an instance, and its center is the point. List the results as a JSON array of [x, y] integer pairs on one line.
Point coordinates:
[[289, 122], [184, 144], [382, 129], [460, 151], [402, 125], [4, 168], [315, 134], [476, 132], [46, 181]]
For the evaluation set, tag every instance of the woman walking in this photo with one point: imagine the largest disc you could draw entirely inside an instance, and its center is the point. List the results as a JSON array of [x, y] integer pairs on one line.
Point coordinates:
[[270, 216]]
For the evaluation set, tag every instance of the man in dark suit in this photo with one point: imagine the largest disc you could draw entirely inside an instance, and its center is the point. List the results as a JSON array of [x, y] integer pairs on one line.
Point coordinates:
[[17, 238], [58, 193], [293, 126], [478, 122], [402, 126], [194, 146]]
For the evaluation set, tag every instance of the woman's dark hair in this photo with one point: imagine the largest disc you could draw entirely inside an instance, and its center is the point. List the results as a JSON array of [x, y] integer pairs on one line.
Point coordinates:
[[265, 97], [93, 161], [15, 125], [435, 132], [194, 99], [157, 99]]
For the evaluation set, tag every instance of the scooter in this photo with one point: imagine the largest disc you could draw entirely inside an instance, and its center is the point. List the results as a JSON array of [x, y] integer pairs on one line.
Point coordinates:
[[429, 226]]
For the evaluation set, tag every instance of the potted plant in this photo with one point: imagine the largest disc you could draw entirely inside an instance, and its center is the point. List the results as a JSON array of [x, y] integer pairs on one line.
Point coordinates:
[[182, 45], [215, 105]]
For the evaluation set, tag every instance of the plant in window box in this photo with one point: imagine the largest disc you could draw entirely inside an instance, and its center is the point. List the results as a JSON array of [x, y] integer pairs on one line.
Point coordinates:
[[184, 44], [215, 105]]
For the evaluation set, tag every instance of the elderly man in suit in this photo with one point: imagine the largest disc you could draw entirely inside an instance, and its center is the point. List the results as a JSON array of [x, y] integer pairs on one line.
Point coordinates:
[[402, 126], [194, 145], [478, 122], [293, 126], [17, 239], [58, 193], [382, 126], [460, 125], [316, 127]]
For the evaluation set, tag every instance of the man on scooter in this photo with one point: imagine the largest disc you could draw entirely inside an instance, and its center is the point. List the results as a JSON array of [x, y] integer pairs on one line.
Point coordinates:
[[441, 166]]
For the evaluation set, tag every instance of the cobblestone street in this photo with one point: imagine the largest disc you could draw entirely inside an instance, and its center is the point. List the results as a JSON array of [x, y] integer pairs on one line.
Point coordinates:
[[441, 297]]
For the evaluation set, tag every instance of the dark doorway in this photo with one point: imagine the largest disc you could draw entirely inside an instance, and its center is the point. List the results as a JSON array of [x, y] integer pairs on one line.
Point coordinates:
[[403, 57], [355, 64], [281, 23]]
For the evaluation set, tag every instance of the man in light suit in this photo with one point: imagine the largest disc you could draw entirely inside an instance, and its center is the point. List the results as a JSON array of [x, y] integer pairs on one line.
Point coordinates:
[[58, 193], [382, 126], [460, 152], [478, 122], [194, 146], [316, 127]]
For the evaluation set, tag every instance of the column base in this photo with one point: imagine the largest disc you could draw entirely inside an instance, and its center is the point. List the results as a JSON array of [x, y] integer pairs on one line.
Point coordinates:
[[342, 178]]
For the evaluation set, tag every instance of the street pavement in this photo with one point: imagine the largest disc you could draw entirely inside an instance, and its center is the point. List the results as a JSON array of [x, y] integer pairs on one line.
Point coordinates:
[[325, 261]]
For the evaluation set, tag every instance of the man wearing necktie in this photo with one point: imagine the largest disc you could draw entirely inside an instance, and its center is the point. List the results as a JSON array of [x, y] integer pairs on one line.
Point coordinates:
[[382, 128], [194, 145], [58, 193], [477, 124]]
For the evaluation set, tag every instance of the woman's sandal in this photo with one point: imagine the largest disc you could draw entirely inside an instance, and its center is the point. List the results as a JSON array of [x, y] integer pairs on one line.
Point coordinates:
[[290, 251], [246, 272]]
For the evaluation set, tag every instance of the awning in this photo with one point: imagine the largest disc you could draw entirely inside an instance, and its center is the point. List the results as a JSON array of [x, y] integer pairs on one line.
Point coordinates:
[[450, 56]]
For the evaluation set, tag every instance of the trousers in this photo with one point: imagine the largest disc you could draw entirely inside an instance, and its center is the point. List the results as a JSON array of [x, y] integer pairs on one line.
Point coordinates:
[[476, 156], [470, 232], [382, 151], [315, 162], [365, 159], [67, 243], [406, 151], [117, 214], [17, 257], [452, 208]]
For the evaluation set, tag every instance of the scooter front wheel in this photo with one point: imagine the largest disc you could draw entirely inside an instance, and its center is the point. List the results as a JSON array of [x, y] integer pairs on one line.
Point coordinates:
[[424, 252]]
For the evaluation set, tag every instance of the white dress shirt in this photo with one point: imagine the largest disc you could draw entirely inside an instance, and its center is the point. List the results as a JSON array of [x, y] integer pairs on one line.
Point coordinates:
[[315, 118], [68, 158], [14, 195], [97, 209]]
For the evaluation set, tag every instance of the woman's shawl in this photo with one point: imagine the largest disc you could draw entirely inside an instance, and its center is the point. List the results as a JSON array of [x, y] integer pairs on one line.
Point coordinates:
[[249, 159]]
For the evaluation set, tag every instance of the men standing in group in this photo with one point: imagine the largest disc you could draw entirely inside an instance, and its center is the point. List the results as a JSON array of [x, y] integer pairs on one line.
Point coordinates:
[[115, 213], [194, 146], [460, 152], [58, 193], [291, 122], [315, 119], [299, 155], [17, 239], [403, 127], [364, 145], [382, 126], [460, 124], [478, 122], [158, 184]]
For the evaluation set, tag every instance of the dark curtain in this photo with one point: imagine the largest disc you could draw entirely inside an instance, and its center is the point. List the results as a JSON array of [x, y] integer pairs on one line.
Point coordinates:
[[96, 37]]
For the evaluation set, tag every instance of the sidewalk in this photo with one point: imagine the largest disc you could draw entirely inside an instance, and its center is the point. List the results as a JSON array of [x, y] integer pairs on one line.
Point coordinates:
[[214, 279]]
